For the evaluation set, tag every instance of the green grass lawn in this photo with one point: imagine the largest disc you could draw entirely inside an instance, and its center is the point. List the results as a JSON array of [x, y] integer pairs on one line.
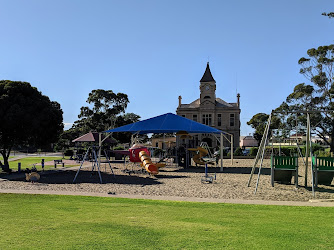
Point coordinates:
[[29, 161], [73, 222], [1, 158]]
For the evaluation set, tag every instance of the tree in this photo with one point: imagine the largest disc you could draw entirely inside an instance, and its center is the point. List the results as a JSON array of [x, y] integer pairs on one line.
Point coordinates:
[[105, 107], [122, 120], [259, 122], [330, 14], [106, 110], [27, 118], [318, 68]]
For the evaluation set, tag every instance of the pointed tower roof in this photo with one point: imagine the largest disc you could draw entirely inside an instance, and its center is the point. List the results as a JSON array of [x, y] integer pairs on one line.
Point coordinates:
[[207, 77]]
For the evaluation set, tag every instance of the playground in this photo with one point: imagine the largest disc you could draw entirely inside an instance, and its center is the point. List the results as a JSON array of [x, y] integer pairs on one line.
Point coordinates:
[[175, 182], [200, 177]]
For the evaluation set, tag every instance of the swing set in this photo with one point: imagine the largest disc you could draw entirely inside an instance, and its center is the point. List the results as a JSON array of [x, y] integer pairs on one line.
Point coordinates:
[[282, 167]]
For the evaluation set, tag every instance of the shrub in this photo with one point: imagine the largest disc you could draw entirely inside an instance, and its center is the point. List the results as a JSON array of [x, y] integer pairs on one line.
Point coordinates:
[[81, 151], [68, 152], [238, 152], [322, 153], [253, 151]]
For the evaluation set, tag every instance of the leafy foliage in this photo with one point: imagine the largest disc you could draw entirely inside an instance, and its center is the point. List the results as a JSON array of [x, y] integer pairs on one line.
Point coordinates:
[[105, 106], [318, 68], [28, 117], [106, 110], [238, 152], [329, 14], [259, 122]]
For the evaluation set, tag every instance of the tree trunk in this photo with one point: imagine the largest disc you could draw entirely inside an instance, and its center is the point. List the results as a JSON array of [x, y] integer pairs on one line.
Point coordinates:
[[5, 165]]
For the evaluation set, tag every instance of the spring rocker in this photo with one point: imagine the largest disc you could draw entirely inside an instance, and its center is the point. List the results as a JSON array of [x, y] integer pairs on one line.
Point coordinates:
[[203, 156]]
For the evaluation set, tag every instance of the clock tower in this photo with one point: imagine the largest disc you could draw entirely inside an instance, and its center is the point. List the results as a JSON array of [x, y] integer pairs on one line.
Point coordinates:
[[212, 111], [207, 88]]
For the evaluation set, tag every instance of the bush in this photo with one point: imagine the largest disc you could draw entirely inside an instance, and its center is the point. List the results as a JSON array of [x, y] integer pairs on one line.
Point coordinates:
[[238, 152], [68, 152], [118, 148], [81, 151], [253, 151], [322, 153]]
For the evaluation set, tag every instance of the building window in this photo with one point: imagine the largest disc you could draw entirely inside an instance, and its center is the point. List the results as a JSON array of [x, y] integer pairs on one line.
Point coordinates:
[[207, 120], [219, 120], [195, 118], [232, 120]]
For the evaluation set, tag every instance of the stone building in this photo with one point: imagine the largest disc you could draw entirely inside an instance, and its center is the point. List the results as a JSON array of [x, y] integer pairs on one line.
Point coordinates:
[[212, 111]]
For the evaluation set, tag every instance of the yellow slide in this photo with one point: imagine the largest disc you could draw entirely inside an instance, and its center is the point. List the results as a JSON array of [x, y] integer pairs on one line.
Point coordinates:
[[197, 158], [148, 165]]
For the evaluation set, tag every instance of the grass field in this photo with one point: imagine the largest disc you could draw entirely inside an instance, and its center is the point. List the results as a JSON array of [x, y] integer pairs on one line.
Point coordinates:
[[1, 158], [28, 162], [73, 222]]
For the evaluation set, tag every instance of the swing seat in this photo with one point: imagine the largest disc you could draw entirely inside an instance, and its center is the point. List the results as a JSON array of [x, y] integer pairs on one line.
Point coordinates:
[[323, 169], [282, 168]]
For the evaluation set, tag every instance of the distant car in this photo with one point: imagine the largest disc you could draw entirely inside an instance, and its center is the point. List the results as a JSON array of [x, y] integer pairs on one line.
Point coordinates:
[[245, 152]]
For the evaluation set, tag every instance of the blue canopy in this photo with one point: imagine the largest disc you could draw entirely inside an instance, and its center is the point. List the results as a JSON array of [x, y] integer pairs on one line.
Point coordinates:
[[167, 123]]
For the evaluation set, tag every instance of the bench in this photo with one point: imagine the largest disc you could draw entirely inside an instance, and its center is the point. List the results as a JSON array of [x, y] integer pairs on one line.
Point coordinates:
[[282, 168], [58, 162], [323, 169]]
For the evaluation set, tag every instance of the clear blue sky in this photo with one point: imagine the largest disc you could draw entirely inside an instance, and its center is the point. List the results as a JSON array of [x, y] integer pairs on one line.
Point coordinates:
[[155, 51]]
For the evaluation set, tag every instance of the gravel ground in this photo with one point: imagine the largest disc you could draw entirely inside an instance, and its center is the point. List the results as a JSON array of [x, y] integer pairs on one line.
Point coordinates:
[[175, 181]]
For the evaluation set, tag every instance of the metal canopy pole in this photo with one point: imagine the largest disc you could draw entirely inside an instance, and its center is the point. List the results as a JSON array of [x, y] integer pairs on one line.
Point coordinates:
[[232, 147], [221, 152], [311, 154], [231, 142], [99, 159], [221, 149], [307, 153]]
